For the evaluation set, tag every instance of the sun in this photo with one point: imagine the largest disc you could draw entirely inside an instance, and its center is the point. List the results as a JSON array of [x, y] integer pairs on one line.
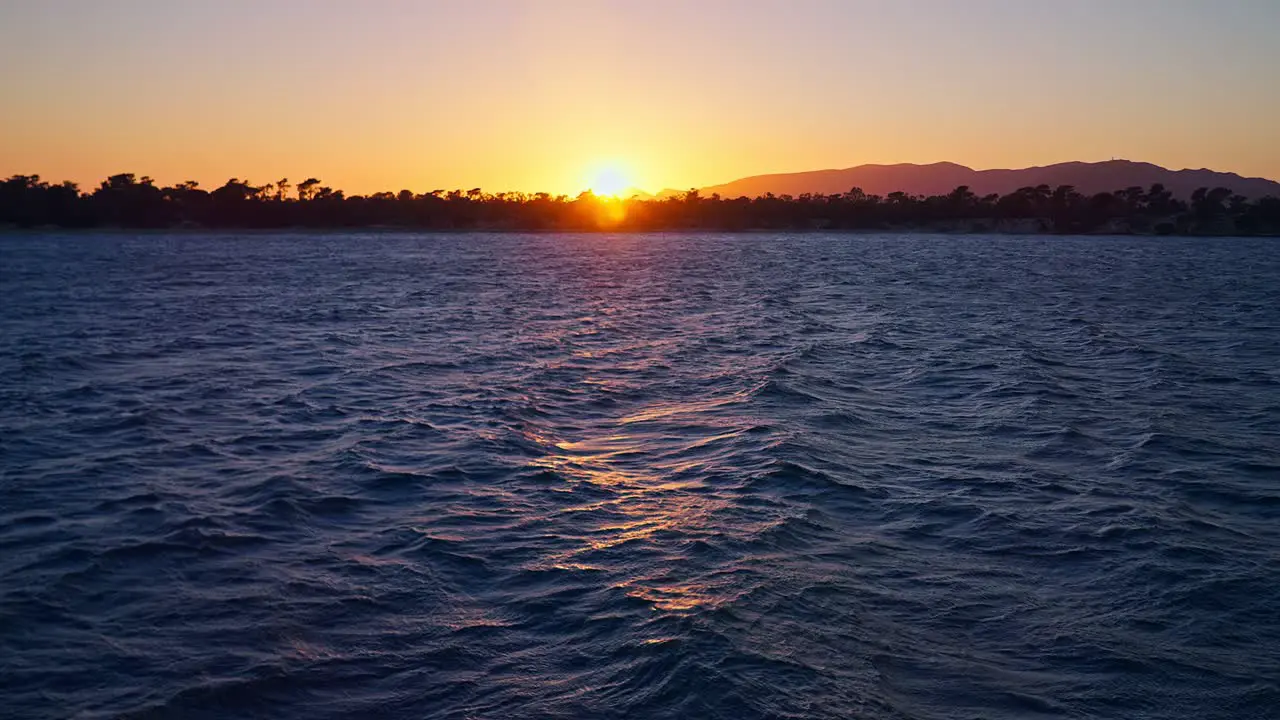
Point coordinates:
[[610, 180]]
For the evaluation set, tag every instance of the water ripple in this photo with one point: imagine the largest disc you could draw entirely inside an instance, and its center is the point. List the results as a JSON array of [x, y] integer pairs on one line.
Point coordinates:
[[664, 476]]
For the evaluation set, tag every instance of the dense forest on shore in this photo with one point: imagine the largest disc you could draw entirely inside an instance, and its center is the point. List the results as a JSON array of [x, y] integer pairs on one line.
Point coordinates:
[[126, 201]]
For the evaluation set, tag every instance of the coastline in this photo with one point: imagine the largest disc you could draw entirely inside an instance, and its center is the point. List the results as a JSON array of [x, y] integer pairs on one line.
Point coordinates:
[[405, 230]]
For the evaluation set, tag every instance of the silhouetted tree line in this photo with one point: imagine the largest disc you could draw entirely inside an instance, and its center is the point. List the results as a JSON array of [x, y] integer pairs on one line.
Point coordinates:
[[126, 201]]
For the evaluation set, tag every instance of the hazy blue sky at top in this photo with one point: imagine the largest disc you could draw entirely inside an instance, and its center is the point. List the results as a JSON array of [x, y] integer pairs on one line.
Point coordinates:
[[524, 93]]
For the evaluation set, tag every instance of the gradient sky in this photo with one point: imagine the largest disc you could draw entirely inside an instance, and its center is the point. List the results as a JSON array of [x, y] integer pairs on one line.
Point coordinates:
[[534, 94]]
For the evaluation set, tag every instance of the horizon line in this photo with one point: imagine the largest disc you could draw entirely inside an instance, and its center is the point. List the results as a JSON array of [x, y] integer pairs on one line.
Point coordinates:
[[635, 191]]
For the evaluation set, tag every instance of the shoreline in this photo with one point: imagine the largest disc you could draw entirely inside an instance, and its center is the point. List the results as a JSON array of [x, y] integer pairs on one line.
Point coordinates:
[[252, 231]]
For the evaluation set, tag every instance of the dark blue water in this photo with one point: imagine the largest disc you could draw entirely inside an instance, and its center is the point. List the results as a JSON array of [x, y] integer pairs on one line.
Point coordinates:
[[646, 477]]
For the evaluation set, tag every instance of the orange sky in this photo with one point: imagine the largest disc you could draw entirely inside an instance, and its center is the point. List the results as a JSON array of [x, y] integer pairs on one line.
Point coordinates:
[[539, 95]]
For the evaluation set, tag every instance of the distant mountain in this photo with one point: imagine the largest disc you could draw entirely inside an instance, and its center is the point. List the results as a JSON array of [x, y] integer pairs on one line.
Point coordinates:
[[942, 178]]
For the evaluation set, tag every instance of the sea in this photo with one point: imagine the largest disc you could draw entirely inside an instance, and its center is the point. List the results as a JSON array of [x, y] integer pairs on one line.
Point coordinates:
[[466, 476]]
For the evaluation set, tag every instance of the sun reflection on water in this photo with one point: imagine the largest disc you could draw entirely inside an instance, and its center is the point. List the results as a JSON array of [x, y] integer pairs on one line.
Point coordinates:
[[649, 507]]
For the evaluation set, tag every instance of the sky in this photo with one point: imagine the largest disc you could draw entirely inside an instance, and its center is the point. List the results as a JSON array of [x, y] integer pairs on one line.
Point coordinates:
[[549, 95]]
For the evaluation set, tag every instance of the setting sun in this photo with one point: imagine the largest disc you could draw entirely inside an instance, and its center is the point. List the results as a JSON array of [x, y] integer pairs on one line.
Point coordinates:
[[611, 179]]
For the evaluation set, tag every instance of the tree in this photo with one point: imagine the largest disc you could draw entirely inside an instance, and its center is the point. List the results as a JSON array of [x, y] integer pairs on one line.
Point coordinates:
[[961, 201], [1159, 200], [123, 200], [126, 200], [306, 189]]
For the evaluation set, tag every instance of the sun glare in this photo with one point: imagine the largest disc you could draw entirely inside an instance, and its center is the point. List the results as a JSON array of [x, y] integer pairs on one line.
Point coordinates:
[[610, 180]]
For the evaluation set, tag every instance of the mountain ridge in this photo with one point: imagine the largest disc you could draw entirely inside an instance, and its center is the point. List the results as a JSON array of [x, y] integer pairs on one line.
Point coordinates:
[[942, 177]]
